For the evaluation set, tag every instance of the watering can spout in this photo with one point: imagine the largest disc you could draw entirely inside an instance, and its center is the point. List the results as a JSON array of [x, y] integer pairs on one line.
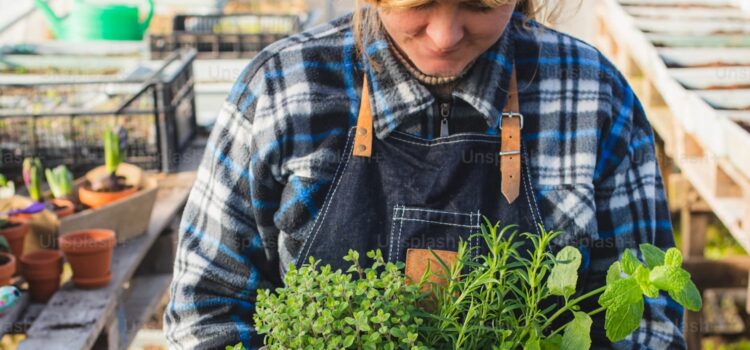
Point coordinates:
[[54, 21], [144, 25]]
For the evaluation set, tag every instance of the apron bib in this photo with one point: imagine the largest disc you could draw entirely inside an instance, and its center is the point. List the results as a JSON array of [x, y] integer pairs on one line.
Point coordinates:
[[405, 192]]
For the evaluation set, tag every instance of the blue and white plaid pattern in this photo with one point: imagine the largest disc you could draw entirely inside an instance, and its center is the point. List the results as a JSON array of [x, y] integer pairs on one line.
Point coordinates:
[[274, 150]]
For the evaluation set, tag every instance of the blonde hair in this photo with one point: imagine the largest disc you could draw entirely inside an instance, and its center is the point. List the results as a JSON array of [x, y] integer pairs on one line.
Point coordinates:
[[366, 23]]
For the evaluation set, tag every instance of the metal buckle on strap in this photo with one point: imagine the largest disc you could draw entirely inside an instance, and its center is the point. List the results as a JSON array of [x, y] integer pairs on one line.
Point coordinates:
[[511, 115], [508, 153]]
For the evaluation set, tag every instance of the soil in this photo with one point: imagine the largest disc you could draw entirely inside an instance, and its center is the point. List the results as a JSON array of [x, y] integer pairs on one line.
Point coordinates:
[[10, 224], [4, 260], [109, 184]]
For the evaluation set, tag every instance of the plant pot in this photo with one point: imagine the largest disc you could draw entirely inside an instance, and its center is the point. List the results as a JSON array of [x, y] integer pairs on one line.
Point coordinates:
[[16, 234], [42, 270], [7, 268], [63, 207], [96, 199], [90, 255]]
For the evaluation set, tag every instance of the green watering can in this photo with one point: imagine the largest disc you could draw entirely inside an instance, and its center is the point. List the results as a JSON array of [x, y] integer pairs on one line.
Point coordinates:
[[97, 22]]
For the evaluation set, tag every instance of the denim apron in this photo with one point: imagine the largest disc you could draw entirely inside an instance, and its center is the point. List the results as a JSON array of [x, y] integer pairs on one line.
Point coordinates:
[[417, 193]]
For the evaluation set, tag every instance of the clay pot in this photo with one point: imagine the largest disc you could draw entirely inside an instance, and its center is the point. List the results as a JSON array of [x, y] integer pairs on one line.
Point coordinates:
[[95, 199], [16, 234], [66, 207], [42, 270], [90, 255], [7, 268]]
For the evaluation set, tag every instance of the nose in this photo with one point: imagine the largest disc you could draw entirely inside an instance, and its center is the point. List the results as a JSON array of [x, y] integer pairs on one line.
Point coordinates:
[[445, 29]]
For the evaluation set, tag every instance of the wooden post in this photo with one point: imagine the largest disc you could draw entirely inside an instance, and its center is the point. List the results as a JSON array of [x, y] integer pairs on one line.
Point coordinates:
[[694, 225]]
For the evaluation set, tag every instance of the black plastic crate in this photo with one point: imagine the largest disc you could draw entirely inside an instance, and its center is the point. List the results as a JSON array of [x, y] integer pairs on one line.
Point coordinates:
[[239, 35], [62, 122]]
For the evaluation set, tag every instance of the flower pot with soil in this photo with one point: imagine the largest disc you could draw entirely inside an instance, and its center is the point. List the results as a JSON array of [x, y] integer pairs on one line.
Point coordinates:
[[60, 181], [110, 187], [90, 255], [42, 270], [7, 268], [14, 230]]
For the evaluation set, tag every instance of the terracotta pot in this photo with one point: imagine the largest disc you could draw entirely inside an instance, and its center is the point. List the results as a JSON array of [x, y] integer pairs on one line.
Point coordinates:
[[16, 234], [67, 208], [7, 268], [42, 270], [90, 254], [95, 199]]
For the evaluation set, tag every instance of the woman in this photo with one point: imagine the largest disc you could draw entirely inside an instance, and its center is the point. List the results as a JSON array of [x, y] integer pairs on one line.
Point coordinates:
[[397, 129]]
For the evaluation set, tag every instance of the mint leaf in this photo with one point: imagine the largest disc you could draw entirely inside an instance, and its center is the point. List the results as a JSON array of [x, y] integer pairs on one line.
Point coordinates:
[[669, 278], [624, 303], [629, 262], [673, 257], [622, 319], [652, 254], [614, 273], [564, 276], [552, 343], [676, 281], [577, 333], [642, 276], [688, 296], [624, 291]]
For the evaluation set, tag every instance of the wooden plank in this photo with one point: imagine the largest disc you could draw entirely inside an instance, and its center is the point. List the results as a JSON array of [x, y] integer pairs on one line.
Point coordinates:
[[687, 13], [141, 303], [729, 210], [737, 99], [693, 27], [74, 318], [726, 273], [712, 41], [707, 78], [679, 3], [697, 57], [9, 319]]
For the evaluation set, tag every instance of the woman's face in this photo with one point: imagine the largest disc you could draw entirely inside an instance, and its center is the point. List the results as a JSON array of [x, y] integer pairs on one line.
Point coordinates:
[[442, 37]]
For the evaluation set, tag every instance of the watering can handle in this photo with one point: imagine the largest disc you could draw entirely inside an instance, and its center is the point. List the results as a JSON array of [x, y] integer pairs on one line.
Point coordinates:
[[54, 20], [147, 21]]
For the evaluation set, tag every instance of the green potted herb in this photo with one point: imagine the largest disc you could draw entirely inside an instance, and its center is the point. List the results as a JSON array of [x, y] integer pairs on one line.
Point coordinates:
[[510, 298], [110, 185], [60, 181]]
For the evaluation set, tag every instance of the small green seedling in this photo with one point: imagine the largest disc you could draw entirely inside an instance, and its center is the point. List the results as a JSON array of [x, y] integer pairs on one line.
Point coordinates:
[[60, 181], [114, 149], [33, 177]]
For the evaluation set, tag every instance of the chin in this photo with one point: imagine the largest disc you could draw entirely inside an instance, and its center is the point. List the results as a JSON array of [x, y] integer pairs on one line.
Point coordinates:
[[442, 68]]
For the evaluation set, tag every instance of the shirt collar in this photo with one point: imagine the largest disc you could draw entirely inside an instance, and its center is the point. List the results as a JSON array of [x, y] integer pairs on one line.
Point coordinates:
[[396, 94]]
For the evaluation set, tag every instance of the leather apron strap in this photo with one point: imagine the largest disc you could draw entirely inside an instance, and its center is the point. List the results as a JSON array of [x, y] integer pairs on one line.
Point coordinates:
[[363, 136], [511, 124]]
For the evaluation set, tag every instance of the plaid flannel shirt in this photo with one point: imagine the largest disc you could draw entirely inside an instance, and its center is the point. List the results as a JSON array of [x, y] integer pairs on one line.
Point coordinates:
[[274, 149]]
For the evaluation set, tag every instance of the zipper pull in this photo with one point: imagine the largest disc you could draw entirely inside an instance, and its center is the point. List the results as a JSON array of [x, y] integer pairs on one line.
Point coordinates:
[[445, 111]]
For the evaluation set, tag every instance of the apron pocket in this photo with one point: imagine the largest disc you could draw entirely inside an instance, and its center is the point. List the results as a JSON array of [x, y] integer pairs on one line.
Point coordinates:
[[423, 228]]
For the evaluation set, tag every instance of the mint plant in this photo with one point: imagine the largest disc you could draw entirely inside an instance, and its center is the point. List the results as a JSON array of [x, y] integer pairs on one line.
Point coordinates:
[[515, 296], [60, 181]]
